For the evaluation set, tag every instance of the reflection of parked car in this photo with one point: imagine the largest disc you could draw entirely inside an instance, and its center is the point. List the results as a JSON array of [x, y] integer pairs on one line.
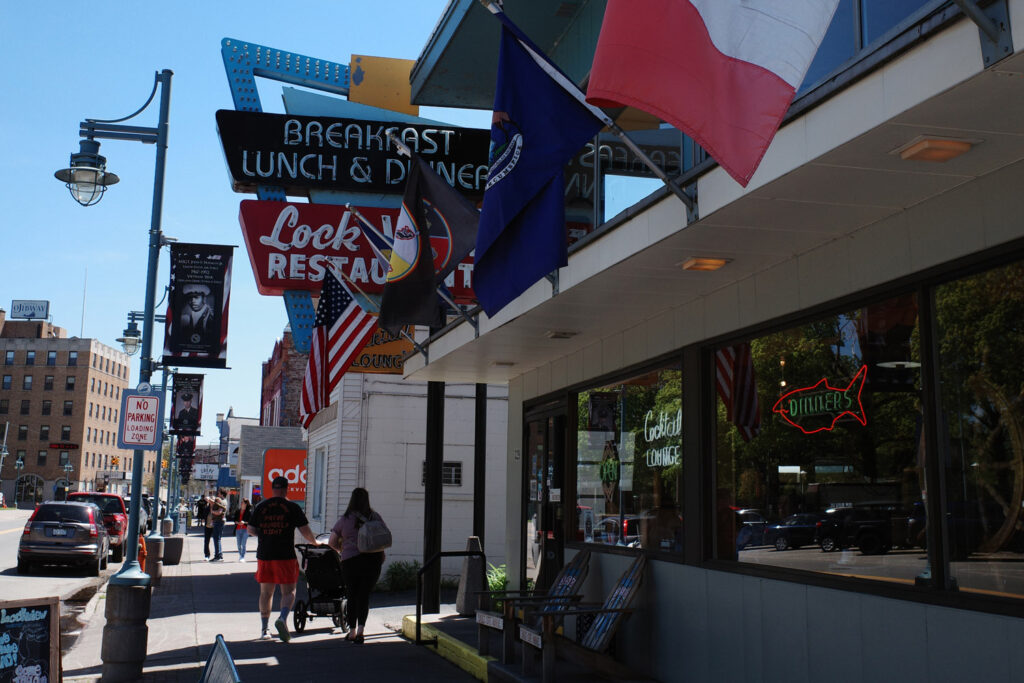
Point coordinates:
[[970, 524], [115, 517], [794, 531], [868, 528], [752, 525], [64, 533]]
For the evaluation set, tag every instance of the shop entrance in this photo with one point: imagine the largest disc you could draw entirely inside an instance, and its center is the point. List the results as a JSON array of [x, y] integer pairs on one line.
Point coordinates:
[[543, 538]]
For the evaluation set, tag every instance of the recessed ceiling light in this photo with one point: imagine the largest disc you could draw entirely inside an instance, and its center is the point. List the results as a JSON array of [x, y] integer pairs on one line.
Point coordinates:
[[560, 334], [930, 148], [703, 263], [503, 363]]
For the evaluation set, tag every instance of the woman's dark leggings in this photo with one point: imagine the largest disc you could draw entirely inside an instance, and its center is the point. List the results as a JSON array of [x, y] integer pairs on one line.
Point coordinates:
[[360, 573]]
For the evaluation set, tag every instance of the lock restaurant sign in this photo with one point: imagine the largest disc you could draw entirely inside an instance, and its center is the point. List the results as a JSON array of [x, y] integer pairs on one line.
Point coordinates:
[[301, 153]]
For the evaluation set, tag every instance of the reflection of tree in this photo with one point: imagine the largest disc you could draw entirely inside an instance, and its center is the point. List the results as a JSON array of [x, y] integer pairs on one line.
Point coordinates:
[[982, 384], [879, 453]]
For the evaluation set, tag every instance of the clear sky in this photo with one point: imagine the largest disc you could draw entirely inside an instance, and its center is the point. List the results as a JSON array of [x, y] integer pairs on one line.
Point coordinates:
[[65, 62]]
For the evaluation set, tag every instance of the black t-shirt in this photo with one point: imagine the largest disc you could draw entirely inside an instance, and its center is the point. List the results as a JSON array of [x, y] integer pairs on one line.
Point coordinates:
[[276, 520]]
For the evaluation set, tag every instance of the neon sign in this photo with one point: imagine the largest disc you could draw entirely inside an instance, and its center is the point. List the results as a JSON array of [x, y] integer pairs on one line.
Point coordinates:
[[818, 408]]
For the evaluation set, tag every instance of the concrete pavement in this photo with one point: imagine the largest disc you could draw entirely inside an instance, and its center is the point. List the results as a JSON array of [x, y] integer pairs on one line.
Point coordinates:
[[197, 600]]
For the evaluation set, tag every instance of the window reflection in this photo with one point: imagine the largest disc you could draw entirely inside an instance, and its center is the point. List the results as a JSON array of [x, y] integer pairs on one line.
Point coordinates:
[[820, 458], [982, 385], [629, 463]]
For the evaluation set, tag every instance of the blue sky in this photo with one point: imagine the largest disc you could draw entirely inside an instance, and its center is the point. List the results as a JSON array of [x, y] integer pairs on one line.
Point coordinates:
[[65, 64]]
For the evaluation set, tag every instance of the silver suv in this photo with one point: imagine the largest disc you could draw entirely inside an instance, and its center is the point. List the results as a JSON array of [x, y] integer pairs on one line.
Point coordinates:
[[64, 533]]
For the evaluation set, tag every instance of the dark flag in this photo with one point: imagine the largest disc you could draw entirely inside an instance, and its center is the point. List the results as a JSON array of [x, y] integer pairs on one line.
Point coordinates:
[[536, 128], [436, 228]]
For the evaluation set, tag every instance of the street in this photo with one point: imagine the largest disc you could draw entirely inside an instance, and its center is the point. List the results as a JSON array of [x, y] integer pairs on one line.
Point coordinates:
[[69, 583]]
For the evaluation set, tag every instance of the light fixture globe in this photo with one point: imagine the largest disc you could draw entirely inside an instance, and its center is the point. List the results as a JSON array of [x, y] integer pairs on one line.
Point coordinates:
[[87, 177], [131, 339]]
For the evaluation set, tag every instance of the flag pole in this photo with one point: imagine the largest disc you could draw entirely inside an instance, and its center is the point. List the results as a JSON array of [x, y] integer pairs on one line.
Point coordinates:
[[577, 94], [337, 271], [373, 228]]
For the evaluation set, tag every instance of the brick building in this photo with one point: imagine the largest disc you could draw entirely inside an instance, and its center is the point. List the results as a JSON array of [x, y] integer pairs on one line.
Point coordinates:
[[281, 389], [60, 399]]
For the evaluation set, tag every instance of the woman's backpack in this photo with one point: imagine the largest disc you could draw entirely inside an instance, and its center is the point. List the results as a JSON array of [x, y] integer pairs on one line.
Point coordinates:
[[373, 536]]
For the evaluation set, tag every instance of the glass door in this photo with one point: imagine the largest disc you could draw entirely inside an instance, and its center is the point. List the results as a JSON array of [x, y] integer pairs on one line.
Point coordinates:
[[543, 540]]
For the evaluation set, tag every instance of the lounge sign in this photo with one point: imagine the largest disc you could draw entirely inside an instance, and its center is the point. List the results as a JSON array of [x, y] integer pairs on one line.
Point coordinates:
[[289, 246], [301, 153], [384, 354]]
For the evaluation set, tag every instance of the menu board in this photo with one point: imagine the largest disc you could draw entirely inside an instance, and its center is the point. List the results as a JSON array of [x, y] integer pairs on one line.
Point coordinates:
[[30, 640]]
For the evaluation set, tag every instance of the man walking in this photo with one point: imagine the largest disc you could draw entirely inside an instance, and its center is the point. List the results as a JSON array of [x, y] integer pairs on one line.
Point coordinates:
[[218, 515], [274, 522]]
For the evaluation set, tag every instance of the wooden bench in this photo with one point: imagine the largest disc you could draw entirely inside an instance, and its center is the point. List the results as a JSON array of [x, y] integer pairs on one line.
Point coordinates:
[[591, 650], [563, 593]]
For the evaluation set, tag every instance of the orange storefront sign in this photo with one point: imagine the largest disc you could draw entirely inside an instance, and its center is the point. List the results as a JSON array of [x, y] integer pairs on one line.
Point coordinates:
[[289, 463]]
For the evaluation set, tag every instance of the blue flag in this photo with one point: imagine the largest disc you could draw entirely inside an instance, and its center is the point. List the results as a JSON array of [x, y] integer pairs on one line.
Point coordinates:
[[536, 129]]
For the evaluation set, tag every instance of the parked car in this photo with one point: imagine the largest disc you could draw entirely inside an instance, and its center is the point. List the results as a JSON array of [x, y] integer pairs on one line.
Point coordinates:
[[793, 531], [752, 524], [64, 533], [867, 527], [115, 517], [143, 514]]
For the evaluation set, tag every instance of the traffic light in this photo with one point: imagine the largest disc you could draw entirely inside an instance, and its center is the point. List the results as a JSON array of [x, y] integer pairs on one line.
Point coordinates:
[[115, 460]]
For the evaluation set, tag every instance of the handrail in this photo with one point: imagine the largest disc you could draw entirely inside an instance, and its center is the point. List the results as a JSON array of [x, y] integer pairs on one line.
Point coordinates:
[[419, 585]]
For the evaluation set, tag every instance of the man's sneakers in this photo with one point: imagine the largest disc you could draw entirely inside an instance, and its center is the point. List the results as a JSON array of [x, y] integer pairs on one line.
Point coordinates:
[[282, 630], [217, 559], [241, 559], [266, 634]]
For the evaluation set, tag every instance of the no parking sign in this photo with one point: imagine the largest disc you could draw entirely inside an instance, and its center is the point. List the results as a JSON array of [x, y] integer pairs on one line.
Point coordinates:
[[141, 421]]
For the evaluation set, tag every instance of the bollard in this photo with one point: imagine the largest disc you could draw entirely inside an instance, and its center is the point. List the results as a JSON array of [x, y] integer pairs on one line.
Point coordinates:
[[471, 583], [154, 559], [173, 546], [125, 634], [166, 527]]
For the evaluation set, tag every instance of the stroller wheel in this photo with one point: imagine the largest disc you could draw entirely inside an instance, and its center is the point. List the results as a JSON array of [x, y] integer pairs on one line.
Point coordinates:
[[340, 622], [299, 616]]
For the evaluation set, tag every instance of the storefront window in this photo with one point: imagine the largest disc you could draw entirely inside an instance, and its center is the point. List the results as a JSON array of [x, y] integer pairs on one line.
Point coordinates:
[[629, 469], [820, 455], [981, 380]]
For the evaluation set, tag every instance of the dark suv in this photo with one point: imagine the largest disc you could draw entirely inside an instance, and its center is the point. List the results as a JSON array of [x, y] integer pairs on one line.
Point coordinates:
[[64, 533], [868, 528], [115, 517]]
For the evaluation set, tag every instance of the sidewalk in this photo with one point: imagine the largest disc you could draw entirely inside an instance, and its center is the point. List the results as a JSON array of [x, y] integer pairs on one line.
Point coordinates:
[[197, 600]]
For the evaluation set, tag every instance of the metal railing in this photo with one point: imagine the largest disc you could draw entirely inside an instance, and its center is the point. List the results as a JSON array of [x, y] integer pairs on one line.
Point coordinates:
[[419, 586]]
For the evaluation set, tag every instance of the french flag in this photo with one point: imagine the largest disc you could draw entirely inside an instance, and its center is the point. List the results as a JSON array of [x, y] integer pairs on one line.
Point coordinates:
[[722, 71]]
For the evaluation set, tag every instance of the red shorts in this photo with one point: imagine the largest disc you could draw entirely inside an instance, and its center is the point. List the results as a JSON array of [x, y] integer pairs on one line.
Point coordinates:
[[277, 571]]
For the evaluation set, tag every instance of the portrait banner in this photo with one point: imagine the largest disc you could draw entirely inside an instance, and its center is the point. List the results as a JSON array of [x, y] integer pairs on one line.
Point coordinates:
[[186, 404], [196, 329]]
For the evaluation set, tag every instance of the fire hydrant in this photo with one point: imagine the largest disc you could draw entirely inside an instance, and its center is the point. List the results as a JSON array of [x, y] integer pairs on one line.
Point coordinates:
[[142, 553]]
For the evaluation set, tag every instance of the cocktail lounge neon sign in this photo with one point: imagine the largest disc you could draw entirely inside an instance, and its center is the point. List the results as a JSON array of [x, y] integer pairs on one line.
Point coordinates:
[[819, 407]]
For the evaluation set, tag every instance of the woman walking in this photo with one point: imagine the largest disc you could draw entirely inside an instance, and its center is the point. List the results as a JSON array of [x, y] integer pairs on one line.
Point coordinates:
[[242, 518], [360, 570]]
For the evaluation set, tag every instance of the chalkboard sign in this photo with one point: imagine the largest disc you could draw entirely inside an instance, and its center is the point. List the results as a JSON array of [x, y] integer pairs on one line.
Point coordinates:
[[30, 640]]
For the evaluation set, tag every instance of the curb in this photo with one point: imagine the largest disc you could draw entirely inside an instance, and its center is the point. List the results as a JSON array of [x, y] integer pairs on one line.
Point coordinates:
[[455, 651]]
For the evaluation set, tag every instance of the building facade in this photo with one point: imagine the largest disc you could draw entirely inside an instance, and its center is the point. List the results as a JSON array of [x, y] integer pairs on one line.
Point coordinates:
[[60, 398], [818, 445], [281, 388], [373, 435]]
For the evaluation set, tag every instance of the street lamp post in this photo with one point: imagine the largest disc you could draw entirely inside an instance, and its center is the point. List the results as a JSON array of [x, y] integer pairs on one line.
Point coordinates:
[[19, 465], [3, 456], [87, 179]]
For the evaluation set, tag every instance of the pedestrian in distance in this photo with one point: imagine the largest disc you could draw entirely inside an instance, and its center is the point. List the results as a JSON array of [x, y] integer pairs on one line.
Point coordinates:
[[218, 515], [203, 509], [242, 517], [274, 523], [206, 505], [360, 570]]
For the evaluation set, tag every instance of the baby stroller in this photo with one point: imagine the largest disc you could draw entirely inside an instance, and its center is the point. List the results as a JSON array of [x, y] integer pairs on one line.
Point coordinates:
[[325, 589]]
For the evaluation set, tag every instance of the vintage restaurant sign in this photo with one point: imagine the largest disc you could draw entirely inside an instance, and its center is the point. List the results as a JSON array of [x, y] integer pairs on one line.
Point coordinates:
[[30, 640], [289, 246], [353, 155], [384, 354]]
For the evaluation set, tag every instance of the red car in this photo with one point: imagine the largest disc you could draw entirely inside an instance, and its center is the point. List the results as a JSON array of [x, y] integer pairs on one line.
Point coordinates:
[[115, 517]]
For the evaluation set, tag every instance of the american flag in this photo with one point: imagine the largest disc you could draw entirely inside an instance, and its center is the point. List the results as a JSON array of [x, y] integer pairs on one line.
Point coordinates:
[[734, 372], [341, 330]]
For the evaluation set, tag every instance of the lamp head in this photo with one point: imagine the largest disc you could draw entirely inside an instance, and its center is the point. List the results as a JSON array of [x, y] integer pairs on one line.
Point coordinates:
[[87, 177], [131, 339]]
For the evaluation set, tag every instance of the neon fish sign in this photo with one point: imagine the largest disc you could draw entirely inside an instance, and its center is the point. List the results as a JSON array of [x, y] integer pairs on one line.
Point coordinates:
[[818, 408]]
